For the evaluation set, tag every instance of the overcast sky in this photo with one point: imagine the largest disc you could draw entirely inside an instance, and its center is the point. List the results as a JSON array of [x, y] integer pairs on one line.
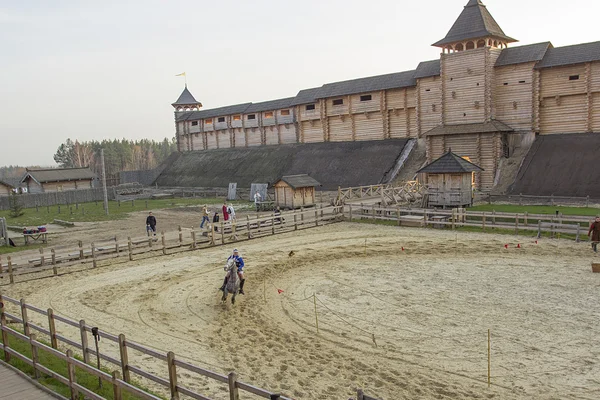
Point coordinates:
[[106, 69]]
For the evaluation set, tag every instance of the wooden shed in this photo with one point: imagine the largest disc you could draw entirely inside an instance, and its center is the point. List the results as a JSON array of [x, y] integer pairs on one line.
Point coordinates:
[[5, 188], [295, 191], [58, 179], [449, 181]]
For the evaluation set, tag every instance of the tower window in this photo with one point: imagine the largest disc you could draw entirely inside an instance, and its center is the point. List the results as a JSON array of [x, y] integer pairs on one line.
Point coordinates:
[[505, 83], [428, 90], [522, 82], [221, 119], [366, 97], [208, 121], [237, 117], [574, 77], [194, 123], [251, 116], [269, 115], [338, 102], [285, 112], [310, 107]]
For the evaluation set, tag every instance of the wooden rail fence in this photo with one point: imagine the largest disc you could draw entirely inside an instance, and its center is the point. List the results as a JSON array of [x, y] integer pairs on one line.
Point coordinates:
[[387, 194], [553, 225], [57, 260], [121, 378]]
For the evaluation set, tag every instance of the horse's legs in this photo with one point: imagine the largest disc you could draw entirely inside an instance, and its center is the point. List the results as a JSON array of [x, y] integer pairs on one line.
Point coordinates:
[[224, 297], [233, 298]]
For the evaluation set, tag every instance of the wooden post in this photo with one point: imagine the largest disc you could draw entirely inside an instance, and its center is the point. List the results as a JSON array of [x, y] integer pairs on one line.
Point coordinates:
[[10, 270], [350, 210], [552, 199], [164, 244], [525, 215], [129, 248], [71, 375], [26, 329], [150, 242], [52, 329], [172, 375], [517, 224], [578, 233], [194, 242], [117, 246], [539, 235], [34, 355], [124, 359], [295, 221], [84, 342], [248, 226], [493, 217], [316, 217], [42, 260], [54, 269], [587, 201], [117, 395], [80, 244], [222, 233], [301, 215], [453, 217], [233, 390], [180, 235], [520, 199], [93, 255], [483, 221], [398, 216], [5, 340], [489, 359], [273, 224]]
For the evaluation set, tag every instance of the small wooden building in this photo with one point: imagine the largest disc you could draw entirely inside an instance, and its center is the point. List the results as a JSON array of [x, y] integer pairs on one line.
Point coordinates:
[[449, 181], [5, 188], [58, 179], [295, 191]]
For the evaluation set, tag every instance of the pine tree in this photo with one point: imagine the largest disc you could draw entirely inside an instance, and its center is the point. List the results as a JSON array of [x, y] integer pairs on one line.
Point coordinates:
[[16, 206]]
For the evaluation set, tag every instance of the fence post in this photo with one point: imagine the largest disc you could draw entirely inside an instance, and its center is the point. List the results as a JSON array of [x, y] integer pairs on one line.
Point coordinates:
[[493, 217], [483, 221], [117, 395], [53, 255], [520, 199], [117, 246], [80, 244], [124, 358], [93, 255], [316, 217], [453, 217], [84, 342], [552, 199], [26, 329], [72, 377], [52, 329], [194, 243], [10, 271], [350, 211], [222, 233], [539, 235], [5, 343], [34, 355], [578, 233], [587, 201], [301, 215], [164, 245], [525, 218], [172, 375], [517, 224], [180, 235], [233, 390], [150, 239], [248, 226], [272, 223], [42, 260], [129, 248]]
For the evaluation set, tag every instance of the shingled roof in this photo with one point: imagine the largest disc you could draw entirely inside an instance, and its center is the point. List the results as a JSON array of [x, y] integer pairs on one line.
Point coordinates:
[[306, 96], [270, 105], [299, 181], [523, 54], [450, 163], [568, 55], [186, 99], [484, 127], [426, 69], [6, 182], [59, 174], [474, 22], [213, 112], [369, 84]]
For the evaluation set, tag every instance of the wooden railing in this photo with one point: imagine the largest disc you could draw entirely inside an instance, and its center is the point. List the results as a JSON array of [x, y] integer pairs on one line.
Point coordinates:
[[540, 223], [121, 378], [407, 192], [62, 259]]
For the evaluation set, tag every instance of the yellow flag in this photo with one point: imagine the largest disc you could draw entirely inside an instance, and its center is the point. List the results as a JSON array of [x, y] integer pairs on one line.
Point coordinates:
[[181, 74]]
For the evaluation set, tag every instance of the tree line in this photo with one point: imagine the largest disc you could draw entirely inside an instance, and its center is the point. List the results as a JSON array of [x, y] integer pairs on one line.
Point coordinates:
[[119, 155]]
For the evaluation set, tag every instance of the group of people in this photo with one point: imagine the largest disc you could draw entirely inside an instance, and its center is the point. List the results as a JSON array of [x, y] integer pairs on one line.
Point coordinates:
[[228, 214]]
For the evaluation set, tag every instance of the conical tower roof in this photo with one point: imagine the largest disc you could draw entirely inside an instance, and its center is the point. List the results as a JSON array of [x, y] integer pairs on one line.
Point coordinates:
[[186, 99], [450, 163], [474, 22]]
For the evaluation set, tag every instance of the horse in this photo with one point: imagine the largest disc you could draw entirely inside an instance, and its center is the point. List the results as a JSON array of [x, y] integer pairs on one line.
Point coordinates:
[[233, 283]]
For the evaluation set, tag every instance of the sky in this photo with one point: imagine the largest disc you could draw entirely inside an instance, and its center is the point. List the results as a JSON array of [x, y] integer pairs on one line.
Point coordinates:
[[106, 69]]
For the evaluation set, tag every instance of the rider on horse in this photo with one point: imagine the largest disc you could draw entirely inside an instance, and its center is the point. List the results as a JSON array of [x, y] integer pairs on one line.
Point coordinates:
[[239, 261]]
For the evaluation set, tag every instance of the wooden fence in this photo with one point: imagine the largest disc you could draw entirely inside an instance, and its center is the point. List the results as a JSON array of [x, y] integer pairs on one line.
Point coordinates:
[[31, 200], [121, 378], [550, 224], [523, 199], [408, 192], [55, 260]]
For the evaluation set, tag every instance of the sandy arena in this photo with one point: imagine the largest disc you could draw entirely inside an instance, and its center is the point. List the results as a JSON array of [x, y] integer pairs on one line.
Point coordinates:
[[401, 324]]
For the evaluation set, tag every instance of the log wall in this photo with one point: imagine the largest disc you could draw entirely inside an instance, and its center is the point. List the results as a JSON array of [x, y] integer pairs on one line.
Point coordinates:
[[513, 96], [429, 104]]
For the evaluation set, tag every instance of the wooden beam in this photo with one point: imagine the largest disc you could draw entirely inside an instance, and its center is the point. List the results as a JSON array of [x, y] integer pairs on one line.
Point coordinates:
[[589, 99]]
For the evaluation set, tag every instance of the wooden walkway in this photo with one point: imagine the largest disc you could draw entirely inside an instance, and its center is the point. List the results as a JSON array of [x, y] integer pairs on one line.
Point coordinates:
[[13, 386]]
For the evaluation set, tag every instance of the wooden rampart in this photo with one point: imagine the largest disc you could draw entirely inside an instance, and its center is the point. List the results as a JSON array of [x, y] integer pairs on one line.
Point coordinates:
[[58, 260]]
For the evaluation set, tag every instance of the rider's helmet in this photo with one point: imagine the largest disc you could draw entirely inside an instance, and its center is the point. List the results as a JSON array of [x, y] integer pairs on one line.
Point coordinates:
[[235, 251]]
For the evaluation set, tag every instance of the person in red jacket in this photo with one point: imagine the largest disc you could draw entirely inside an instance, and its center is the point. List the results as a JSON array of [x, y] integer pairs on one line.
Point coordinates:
[[225, 213], [594, 232]]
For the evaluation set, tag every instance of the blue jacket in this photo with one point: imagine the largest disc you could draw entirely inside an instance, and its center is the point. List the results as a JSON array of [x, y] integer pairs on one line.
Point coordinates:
[[238, 260]]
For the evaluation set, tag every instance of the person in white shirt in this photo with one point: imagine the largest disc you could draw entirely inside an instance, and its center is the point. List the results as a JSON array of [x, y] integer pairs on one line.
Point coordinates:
[[257, 199]]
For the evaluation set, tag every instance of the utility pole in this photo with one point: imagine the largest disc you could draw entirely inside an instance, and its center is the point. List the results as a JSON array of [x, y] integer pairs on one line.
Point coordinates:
[[104, 182]]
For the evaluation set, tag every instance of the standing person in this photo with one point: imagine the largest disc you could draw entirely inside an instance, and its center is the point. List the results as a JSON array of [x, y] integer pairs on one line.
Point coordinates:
[[216, 221], [257, 199], [231, 212], [151, 224], [225, 213], [594, 232], [205, 215]]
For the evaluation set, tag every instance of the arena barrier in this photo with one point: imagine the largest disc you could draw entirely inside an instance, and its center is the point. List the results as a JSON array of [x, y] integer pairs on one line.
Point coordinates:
[[64, 259], [121, 378]]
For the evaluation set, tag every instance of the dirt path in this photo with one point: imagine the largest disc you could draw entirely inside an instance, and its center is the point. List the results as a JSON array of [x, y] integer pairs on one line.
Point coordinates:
[[398, 323]]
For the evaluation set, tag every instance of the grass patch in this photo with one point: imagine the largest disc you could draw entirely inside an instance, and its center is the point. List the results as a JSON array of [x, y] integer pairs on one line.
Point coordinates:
[[10, 249], [59, 366], [94, 211], [514, 209]]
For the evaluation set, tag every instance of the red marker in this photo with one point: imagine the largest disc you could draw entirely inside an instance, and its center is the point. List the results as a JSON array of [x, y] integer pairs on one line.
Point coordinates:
[[506, 246], [279, 291], [536, 242], [403, 249], [519, 246]]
